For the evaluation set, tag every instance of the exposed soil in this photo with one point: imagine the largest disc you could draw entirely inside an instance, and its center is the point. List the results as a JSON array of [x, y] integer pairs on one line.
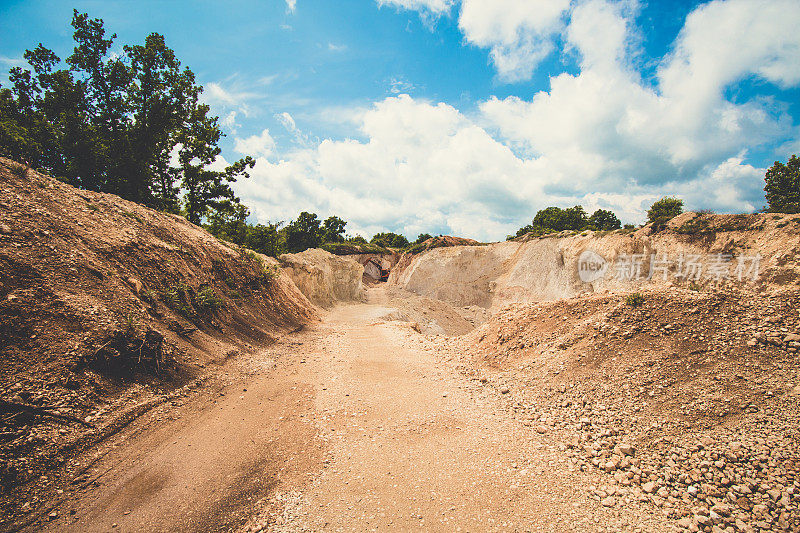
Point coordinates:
[[106, 307]]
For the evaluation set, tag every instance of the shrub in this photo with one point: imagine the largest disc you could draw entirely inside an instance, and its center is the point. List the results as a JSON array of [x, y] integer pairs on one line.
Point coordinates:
[[207, 299], [664, 210], [634, 300], [782, 186], [20, 171]]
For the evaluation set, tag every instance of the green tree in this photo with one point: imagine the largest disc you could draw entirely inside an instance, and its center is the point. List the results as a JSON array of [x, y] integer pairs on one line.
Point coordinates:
[[333, 229], [664, 210], [557, 219], [603, 219], [266, 239], [389, 240], [110, 122], [303, 233], [422, 237], [782, 186]]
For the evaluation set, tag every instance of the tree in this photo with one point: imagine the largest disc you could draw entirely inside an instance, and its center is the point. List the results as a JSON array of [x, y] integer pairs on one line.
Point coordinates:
[[422, 237], [111, 122], [303, 233], [333, 229], [550, 218], [389, 240], [557, 219], [664, 210], [266, 239], [198, 148], [604, 220], [782, 186]]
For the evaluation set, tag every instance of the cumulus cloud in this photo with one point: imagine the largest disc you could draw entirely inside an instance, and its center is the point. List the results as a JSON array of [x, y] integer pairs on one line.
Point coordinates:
[[423, 167], [291, 5], [262, 145], [601, 137], [629, 130], [518, 33]]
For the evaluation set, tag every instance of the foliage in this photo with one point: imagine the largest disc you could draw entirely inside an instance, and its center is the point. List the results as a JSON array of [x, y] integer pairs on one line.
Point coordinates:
[[231, 225], [303, 233], [350, 247], [333, 229], [422, 237], [110, 120], [389, 240], [664, 210], [207, 299], [634, 300], [20, 171], [782, 186], [556, 219], [604, 220], [698, 225]]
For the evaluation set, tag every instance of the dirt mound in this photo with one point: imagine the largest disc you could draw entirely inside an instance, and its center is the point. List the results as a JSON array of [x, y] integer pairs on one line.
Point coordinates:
[[325, 278], [548, 267], [686, 400], [98, 294]]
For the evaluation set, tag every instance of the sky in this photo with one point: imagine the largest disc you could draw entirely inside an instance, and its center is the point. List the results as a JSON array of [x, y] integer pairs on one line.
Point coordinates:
[[465, 117]]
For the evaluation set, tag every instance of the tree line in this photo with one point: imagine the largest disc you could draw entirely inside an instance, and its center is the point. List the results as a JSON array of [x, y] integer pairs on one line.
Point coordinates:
[[306, 231], [130, 124]]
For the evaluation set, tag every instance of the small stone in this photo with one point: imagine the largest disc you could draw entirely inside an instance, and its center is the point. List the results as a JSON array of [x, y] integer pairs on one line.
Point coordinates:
[[4, 229], [626, 449], [721, 509], [505, 390], [608, 501], [649, 487], [53, 515]]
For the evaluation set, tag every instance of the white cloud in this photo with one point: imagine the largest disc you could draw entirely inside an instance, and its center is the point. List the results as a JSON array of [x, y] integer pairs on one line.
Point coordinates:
[[291, 5], [631, 132], [337, 47], [435, 7], [424, 167], [262, 145], [233, 97], [518, 33], [602, 137]]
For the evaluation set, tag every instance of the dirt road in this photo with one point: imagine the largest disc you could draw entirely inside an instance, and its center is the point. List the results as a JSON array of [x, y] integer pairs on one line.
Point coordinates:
[[358, 424]]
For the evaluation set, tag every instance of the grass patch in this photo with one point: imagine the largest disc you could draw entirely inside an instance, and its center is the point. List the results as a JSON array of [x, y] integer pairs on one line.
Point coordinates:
[[347, 248], [20, 171], [207, 299], [133, 216], [634, 300]]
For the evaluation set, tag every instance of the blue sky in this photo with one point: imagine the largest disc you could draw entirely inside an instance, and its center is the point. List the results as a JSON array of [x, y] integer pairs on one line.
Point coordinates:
[[467, 116]]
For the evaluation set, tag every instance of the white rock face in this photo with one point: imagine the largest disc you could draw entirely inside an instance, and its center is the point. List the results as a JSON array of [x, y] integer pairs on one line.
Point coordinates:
[[562, 266], [324, 278]]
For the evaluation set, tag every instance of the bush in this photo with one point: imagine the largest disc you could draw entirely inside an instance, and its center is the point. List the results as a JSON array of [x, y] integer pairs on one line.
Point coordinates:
[[207, 298], [389, 240], [664, 210], [20, 171], [782, 186], [634, 300]]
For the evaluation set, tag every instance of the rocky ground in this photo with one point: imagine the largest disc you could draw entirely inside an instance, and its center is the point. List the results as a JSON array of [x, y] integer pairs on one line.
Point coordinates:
[[688, 402]]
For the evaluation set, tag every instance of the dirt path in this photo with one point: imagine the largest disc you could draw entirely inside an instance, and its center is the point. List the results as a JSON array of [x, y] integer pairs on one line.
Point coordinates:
[[356, 425]]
